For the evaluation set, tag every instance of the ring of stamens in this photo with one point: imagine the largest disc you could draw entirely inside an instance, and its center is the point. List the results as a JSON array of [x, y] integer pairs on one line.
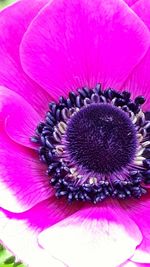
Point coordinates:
[[66, 176]]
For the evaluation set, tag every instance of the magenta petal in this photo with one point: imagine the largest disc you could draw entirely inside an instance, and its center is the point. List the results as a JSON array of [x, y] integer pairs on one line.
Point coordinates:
[[128, 263], [133, 264], [139, 80], [45, 214], [76, 43], [18, 229], [52, 211], [14, 21], [23, 182], [19, 118], [22, 241], [141, 265], [142, 253], [130, 2], [139, 213], [141, 8], [103, 234]]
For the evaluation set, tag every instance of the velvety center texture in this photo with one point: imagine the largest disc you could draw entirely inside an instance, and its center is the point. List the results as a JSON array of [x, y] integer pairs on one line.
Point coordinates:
[[101, 138]]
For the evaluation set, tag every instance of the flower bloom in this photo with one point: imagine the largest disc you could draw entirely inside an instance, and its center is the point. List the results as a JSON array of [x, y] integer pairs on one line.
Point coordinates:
[[49, 49]]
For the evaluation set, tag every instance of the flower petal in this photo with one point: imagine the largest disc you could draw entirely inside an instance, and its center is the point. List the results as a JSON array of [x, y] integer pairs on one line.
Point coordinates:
[[128, 264], [139, 81], [133, 264], [92, 41], [23, 182], [14, 21], [138, 211], [19, 118], [130, 2], [92, 234], [142, 253], [24, 227], [22, 242], [45, 214], [141, 8]]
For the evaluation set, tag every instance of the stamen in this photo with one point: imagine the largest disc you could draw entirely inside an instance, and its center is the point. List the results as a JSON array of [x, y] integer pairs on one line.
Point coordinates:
[[96, 144]]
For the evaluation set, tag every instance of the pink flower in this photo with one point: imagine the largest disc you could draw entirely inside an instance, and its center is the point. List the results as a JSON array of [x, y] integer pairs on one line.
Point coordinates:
[[47, 49]]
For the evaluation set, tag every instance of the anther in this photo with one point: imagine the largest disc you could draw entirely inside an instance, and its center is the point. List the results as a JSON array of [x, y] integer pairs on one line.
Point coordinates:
[[62, 127], [140, 100], [95, 98]]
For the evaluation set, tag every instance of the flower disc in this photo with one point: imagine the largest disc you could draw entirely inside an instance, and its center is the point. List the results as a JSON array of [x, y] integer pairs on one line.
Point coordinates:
[[101, 138]]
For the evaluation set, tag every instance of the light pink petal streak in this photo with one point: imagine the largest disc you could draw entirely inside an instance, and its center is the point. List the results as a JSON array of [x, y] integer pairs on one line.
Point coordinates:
[[77, 42], [23, 182], [19, 118], [14, 21], [22, 242], [141, 8], [131, 2], [102, 234], [139, 81]]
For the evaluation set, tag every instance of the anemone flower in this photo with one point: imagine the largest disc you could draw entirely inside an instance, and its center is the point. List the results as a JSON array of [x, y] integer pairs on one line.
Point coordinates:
[[75, 132]]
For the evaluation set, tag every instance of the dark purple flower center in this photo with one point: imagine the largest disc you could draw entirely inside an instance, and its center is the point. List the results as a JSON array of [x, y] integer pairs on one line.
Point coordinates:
[[96, 144], [101, 138]]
